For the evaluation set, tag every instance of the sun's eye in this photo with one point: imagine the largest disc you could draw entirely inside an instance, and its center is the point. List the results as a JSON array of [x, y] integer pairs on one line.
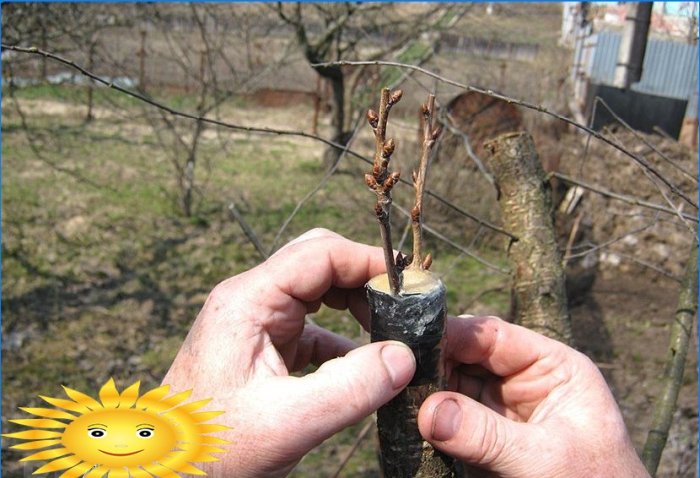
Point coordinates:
[[97, 433], [145, 433]]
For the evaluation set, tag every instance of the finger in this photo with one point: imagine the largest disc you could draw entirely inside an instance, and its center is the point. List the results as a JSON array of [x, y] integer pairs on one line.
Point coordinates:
[[340, 393], [315, 233], [322, 262], [316, 346], [502, 348], [354, 300], [473, 433]]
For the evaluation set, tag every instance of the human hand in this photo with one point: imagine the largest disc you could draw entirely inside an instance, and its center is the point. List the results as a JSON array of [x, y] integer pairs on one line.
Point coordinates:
[[524, 406], [249, 337]]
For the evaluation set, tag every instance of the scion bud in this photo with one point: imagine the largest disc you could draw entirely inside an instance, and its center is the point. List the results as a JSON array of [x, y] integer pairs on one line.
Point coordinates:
[[389, 146], [370, 181], [372, 118], [427, 261], [392, 180], [415, 214]]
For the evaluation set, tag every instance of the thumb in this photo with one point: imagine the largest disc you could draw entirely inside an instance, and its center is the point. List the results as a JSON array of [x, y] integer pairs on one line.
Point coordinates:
[[292, 415], [472, 432], [345, 390]]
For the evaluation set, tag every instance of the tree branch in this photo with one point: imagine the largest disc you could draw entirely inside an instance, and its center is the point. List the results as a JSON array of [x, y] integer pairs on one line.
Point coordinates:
[[249, 129], [524, 104], [681, 330]]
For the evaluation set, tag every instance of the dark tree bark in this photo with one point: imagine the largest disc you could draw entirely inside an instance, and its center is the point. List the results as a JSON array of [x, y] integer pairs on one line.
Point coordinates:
[[538, 281], [416, 317]]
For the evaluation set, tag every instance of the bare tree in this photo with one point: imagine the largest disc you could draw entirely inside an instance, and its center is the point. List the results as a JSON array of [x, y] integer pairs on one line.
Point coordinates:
[[332, 32], [205, 53]]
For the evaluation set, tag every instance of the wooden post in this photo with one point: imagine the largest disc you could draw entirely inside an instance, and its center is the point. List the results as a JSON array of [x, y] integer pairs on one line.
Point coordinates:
[[538, 296]]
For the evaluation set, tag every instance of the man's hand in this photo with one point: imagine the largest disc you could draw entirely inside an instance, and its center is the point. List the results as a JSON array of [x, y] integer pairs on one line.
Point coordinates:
[[525, 406], [250, 335]]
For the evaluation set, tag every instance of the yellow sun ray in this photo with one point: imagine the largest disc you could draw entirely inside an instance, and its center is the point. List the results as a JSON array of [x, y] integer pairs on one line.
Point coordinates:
[[81, 398], [97, 472], [129, 396], [193, 406], [213, 440], [39, 423], [152, 397], [77, 471], [205, 416], [109, 395], [160, 471], [59, 464], [122, 435], [173, 400], [33, 435], [48, 413], [118, 473], [211, 428], [66, 404], [47, 454], [35, 445], [139, 473]]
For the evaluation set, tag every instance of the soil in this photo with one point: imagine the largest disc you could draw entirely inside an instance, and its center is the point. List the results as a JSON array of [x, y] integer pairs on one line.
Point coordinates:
[[623, 325]]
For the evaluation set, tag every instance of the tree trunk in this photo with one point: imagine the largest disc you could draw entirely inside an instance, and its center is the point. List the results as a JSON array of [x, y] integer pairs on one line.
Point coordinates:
[[416, 317], [187, 180], [336, 78], [538, 281], [681, 330]]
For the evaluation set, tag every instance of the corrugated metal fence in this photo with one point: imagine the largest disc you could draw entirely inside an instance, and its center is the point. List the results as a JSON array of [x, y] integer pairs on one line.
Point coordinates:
[[670, 68]]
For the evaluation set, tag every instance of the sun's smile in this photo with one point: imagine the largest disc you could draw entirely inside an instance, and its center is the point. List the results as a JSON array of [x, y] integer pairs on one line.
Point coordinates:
[[121, 454], [167, 434]]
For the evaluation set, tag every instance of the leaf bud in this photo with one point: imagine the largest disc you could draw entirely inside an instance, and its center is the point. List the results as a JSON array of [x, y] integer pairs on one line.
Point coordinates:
[[396, 96], [392, 180], [427, 261], [370, 181], [372, 118], [436, 132], [389, 147]]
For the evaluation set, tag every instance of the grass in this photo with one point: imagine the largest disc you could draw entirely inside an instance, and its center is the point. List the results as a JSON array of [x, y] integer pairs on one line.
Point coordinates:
[[103, 275]]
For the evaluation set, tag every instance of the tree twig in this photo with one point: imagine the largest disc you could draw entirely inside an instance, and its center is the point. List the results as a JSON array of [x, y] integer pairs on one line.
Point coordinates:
[[430, 136], [524, 104], [381, 181], [247, 230], [356, 444], [621, 197]]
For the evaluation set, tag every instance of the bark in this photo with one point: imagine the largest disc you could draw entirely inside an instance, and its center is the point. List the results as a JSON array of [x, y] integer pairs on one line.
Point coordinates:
[[681, 330], [538, 281], [416, 317]]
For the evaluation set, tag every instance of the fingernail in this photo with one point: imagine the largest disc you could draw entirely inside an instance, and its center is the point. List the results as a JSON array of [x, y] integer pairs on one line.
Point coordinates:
[[399, 362], [446, 420]]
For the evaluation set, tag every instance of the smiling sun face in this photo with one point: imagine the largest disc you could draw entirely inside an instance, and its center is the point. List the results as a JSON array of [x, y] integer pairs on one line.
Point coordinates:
[[122, 434], [120, 438]]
